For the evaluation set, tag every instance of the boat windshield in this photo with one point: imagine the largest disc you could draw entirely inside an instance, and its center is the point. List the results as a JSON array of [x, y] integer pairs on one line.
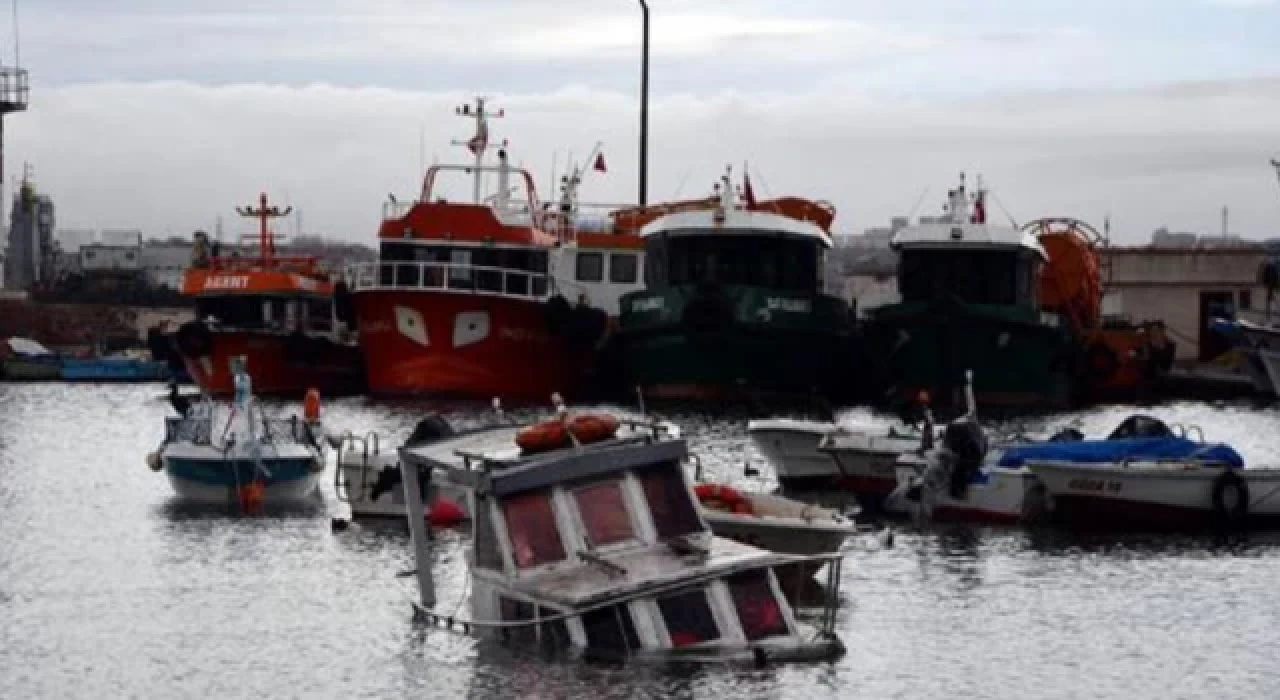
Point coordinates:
[[531, 522], [788, 264], [998, 277], [263, 312]]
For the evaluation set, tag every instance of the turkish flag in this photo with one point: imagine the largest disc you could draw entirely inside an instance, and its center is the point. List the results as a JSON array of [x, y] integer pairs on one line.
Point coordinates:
[[599, 164]]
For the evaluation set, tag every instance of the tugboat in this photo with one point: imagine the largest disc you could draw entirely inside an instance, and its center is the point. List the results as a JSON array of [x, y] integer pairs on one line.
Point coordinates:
[[969, 300], [284, 314], [588, 539], [489, 297], [734, 304], [1020, 306]]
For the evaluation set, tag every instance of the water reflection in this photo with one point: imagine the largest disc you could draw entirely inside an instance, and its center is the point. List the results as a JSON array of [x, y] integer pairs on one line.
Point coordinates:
[[107, 584]]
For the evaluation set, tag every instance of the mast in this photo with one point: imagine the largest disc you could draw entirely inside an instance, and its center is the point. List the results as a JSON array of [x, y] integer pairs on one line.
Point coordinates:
[[479, 143], [264, 214]]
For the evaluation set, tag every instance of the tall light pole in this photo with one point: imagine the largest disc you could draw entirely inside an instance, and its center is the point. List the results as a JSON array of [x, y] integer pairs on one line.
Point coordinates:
[[644, 107]]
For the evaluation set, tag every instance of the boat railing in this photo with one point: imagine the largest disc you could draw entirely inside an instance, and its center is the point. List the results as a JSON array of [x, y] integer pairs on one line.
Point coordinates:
[[195, 430], [454, 277], [396, 209]]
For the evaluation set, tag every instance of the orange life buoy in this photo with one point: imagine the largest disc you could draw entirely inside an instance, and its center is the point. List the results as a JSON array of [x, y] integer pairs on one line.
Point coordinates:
[[721, 497], [311, 406], [554, 434]]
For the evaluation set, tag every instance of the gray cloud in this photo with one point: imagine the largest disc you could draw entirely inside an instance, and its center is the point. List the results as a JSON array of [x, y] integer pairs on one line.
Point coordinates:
[[171, 156]]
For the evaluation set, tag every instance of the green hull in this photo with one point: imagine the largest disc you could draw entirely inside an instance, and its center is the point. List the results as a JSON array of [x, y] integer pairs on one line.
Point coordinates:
[[675, 343], [19, 369], [1019, 356]]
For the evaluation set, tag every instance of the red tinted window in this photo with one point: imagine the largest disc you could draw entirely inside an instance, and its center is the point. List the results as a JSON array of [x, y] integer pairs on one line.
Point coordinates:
[[673, 511], [604, 513], [757, 606], [531, 523], [688, 618]]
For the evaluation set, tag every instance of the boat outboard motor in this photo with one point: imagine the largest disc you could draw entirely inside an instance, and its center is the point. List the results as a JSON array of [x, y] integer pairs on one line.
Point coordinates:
[[968, 446], [428, 430], [1140, 426]]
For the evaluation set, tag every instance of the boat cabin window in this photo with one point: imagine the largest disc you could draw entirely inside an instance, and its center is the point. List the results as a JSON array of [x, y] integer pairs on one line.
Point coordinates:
[[554, 634], [531, 524], [604, 514], [258, 312], [688, 618], [757, 606], [998, 277], [590, 267], [623, 268], [782, 263], [519, 271], [674, 514], [611, 629]]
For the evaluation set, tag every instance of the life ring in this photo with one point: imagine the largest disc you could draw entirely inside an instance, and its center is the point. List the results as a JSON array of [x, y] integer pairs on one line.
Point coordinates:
[[721, 497], [1238, 509], [194, 339], [1100, 361], [554, 434]]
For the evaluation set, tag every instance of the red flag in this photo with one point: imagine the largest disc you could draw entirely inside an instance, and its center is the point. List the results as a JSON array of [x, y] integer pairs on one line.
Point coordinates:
[[747, 192], [599, 164], [979, 209]]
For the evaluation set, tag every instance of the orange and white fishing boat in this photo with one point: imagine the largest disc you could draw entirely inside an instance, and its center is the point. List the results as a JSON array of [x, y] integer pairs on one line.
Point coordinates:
[[501, 295], [279, 312]]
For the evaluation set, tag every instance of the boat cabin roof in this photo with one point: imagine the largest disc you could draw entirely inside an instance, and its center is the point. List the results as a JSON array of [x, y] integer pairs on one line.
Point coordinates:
[[948, 235], [490, 459], [644, 571], [734, 221]]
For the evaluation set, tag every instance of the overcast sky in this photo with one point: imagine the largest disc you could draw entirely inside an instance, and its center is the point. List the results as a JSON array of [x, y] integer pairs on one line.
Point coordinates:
[[162, 115]]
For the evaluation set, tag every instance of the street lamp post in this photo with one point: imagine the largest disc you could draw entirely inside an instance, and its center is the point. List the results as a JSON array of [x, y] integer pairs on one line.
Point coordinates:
[[644, 107]]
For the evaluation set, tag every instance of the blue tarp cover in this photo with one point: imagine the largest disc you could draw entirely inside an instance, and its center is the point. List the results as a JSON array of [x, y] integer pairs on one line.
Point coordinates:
[[1099, 451]]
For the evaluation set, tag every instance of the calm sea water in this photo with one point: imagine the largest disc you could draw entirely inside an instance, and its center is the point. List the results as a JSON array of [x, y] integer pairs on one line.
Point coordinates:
[[108, 590]]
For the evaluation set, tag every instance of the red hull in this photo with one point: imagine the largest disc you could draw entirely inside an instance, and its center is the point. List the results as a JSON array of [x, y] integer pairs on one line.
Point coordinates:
[[463, 345], [336, 370]]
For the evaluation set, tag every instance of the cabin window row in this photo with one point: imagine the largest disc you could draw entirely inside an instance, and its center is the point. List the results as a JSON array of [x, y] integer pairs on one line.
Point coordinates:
[[601, 512], [688, 618], [623, 267], [785, 264]]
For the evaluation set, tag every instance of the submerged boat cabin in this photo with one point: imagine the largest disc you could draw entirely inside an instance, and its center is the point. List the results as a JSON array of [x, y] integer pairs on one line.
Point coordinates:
[[602, 548], [959, 256]]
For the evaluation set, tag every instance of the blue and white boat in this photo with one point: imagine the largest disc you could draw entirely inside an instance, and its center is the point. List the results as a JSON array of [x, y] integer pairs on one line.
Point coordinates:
[[235, 454], [113, 369]]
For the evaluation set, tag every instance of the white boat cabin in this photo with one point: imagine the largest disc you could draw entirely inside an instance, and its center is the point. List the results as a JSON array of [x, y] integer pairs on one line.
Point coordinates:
[[732, 244], [961, 255], [499, 239], [602, 548]]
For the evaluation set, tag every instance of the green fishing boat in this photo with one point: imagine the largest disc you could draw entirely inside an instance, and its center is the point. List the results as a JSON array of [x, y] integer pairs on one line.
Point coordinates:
[[969, 301], [733, 303]]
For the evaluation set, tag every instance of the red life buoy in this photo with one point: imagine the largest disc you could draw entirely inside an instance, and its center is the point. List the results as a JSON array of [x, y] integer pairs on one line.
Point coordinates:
[[554, 434], [725, 498]]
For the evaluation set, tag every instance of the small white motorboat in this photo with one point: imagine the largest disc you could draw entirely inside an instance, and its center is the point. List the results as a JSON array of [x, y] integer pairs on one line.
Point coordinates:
[[236, 455], [775, 523], [1209, 490], [368, 477]]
